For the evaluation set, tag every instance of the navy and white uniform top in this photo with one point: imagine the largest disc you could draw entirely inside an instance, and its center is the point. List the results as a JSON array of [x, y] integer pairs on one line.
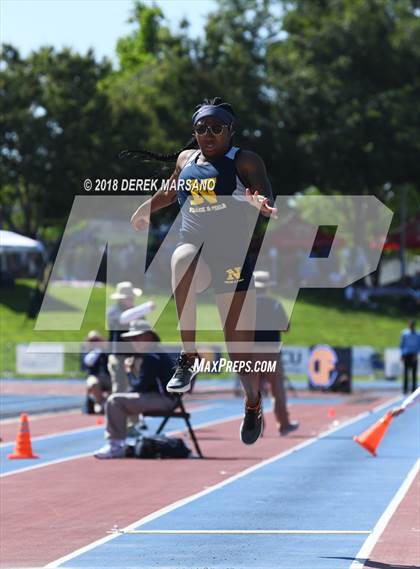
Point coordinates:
[[212, 197]]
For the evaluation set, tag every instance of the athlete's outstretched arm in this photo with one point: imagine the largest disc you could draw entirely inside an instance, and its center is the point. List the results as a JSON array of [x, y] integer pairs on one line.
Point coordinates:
[[161, 199], [252, 171]]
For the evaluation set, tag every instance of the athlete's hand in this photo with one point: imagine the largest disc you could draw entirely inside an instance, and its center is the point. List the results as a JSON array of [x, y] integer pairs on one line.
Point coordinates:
[[261, 202], [140, 220]]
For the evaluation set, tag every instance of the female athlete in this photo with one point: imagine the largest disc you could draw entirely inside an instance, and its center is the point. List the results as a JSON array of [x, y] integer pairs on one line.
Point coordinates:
[[215, 182]]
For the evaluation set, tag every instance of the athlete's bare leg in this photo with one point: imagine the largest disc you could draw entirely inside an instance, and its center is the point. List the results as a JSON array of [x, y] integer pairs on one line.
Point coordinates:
[[278, 392], [189, 276], [237, 313]]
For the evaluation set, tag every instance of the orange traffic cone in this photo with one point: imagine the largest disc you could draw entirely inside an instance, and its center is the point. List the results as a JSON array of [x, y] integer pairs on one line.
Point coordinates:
[[371, 438], [23, 447], [331, 413]]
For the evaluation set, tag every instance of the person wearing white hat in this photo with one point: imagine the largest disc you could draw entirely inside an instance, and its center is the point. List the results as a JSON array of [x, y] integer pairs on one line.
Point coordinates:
[[149, 371], [125, 291], [263, 280], [270, 319], [124, 294]]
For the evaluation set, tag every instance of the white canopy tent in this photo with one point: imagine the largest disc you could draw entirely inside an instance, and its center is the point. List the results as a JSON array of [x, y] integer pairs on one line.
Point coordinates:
[[11, 242]]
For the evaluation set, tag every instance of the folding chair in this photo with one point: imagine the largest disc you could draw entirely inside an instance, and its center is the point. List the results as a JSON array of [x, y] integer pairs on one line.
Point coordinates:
[[179, 412]]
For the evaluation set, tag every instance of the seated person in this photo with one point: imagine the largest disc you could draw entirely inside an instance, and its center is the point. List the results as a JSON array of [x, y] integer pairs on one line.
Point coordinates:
[[95, 363], [149, 372]]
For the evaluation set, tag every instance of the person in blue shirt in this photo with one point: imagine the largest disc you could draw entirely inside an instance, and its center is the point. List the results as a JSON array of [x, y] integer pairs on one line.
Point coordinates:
[[410, 348], [94, 361], [149, 372], [216, 183]]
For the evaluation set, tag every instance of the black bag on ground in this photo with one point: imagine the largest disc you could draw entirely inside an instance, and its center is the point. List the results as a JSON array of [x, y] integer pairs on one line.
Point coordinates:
[[160, 446], [88, 406]]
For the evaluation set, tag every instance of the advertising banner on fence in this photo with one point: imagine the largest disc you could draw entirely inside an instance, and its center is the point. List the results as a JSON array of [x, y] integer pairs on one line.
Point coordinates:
[[393, 364], [329, 368], [362, 360], [50, 361], [295, 359]]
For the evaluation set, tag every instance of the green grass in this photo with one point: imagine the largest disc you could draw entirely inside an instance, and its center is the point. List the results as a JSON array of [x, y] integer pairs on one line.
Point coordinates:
[[323, 317], [319, 316]]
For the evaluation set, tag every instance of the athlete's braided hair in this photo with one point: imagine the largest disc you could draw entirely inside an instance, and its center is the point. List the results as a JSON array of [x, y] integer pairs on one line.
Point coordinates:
[[192, 143]]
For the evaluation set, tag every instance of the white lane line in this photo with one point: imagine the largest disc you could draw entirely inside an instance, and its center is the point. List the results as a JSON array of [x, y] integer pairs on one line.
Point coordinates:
[[56, 435], [83, 455], [389, 402], [369, 544], [193, 497], [36, 416], [239, 532], [42, 465], [91, 428], [199, 426], [201, 408]]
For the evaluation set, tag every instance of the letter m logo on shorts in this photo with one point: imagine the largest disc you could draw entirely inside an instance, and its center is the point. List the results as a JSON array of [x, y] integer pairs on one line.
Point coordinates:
[[233, 275]]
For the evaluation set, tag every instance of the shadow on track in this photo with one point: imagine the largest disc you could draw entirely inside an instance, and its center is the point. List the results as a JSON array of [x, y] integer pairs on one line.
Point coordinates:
[[375, 564]]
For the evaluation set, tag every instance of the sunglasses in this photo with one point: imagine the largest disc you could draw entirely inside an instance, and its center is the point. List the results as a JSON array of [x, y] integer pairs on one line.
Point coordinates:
[[216, 129]]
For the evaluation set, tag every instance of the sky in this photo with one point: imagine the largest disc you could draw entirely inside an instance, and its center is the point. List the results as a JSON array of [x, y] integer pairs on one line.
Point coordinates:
[[81, 24]]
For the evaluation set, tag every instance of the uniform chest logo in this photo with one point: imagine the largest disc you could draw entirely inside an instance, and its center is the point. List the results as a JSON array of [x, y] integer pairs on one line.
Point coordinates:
[[202, 191]]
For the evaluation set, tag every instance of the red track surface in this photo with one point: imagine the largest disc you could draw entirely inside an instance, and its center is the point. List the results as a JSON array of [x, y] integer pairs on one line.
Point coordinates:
[[57, 423], [399, 545], [54, 510], [51, 424], [42, 388]]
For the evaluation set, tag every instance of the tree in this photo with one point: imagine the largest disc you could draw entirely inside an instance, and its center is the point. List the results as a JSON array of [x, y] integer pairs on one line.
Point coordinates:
[[345, 80], [163, 75], [152, 90], [56, 130], [232, 56]]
